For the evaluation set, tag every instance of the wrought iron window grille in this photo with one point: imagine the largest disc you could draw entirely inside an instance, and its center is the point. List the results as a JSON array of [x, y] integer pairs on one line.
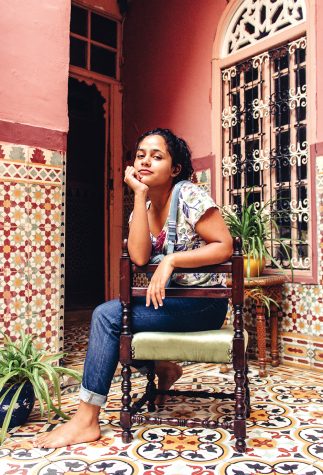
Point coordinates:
[[264, 143]]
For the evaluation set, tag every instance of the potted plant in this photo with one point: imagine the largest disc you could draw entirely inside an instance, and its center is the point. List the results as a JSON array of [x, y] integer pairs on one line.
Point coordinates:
[[25, 374], [255, 225]]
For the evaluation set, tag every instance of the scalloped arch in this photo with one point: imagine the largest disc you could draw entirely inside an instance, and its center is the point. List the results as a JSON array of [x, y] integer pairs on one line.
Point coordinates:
[[254, 20]]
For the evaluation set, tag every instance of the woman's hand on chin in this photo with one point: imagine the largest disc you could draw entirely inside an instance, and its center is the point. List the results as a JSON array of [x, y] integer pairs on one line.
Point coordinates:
[[156, 289], [133, 180]]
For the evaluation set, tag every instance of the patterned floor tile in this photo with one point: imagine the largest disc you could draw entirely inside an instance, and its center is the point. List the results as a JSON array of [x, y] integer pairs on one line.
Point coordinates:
[[285, 429], [282, 435]]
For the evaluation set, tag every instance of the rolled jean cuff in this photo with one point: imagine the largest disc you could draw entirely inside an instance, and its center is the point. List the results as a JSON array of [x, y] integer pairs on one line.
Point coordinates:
[[91, 397]]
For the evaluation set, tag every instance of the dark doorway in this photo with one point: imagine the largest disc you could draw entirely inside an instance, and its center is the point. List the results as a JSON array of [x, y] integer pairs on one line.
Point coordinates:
[[84, 252]]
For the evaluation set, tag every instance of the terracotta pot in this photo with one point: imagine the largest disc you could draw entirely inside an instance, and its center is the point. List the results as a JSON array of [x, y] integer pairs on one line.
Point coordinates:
[[256, 266]]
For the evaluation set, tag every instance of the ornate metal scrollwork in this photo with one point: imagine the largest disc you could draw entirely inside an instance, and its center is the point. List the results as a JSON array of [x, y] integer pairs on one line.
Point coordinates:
[[229, 117], [233, 208], [261, 159], [301, 43], [299, 210], [298, 154], [229, 73], [229, 165], [297, 98], [261, 58], [260, 108], [300, 262]]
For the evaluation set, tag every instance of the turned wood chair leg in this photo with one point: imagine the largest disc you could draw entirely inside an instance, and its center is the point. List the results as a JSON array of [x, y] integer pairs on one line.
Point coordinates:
[[125, 416], [240, 412], [151, 388]]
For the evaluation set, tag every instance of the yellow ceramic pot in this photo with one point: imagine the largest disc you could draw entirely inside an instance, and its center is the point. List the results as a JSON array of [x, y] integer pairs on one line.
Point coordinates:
[[256, 266]]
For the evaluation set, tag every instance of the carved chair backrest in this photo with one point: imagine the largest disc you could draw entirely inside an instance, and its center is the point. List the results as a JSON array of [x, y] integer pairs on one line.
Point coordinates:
[[235, 289]]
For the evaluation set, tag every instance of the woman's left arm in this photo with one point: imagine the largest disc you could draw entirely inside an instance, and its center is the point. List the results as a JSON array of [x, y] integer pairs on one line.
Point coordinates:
[[213, 230]]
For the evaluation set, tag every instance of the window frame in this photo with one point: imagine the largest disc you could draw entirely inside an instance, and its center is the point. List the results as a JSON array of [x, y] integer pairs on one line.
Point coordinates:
[[88, 71], [218, 64]]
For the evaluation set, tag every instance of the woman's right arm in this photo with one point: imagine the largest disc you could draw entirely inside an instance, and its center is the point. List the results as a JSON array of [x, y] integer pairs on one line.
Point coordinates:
[[139, 242]]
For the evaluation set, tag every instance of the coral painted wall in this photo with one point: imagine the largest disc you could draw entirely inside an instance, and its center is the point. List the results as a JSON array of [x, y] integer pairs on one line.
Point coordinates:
[[167, 70], [34, 52]]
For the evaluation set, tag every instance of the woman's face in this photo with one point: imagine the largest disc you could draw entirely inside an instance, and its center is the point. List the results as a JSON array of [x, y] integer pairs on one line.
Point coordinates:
[[153, 162]]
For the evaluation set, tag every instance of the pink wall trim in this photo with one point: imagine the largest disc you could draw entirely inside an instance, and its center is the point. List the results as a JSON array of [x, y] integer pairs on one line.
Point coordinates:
[[318, 149], [312, 162], [33, 136]]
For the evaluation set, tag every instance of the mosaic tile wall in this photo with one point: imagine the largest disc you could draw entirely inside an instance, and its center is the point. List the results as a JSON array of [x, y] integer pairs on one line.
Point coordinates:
[[32, 242]]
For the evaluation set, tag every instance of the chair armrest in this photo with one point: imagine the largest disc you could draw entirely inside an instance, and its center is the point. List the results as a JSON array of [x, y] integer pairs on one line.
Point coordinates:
[[225, 268]]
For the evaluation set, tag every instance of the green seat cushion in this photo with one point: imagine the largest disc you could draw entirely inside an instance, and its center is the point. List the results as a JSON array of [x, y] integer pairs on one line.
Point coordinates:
[[213, 346]]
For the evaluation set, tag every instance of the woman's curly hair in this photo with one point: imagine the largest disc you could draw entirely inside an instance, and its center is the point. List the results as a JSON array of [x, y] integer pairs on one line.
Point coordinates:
[[178, 150]]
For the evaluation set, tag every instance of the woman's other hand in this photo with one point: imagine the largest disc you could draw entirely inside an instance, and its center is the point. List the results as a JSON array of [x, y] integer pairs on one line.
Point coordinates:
[[156, 289], [132, 178]]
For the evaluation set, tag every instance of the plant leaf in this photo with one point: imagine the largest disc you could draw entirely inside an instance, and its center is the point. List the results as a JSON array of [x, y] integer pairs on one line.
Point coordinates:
[[6, 392], [6, 378], [7, 419], [38, 391], [70, 372]]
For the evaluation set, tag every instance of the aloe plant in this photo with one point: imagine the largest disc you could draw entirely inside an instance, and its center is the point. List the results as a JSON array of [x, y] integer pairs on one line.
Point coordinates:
[[20, 362]]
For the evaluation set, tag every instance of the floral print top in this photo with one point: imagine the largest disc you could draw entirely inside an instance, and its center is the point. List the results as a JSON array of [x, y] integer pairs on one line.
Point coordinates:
[[192, 204]]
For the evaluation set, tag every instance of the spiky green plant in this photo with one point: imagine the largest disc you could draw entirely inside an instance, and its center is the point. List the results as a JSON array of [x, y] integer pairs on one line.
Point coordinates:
[[257, 294], [256, 227], [20, 362]]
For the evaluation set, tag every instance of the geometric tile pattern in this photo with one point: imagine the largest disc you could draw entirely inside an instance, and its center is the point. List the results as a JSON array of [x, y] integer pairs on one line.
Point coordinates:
[[284, 433], [31, 242], [76, 339]]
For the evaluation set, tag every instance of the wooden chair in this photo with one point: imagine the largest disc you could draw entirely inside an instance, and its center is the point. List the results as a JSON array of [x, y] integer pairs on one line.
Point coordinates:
[[216, 346]]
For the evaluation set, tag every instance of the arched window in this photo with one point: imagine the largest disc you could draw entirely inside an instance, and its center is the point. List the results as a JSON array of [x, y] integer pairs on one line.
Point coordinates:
[[257, 19], [263, 144]]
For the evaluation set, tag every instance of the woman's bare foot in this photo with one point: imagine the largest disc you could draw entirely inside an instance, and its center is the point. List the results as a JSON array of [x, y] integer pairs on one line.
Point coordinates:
[[83, 427], [168, 373]]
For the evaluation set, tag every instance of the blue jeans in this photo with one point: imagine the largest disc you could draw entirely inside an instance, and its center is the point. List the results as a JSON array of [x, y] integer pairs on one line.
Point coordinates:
[[177, 314]]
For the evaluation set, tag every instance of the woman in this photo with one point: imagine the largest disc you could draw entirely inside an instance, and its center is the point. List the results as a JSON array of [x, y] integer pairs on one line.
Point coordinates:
[[162, 159]]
